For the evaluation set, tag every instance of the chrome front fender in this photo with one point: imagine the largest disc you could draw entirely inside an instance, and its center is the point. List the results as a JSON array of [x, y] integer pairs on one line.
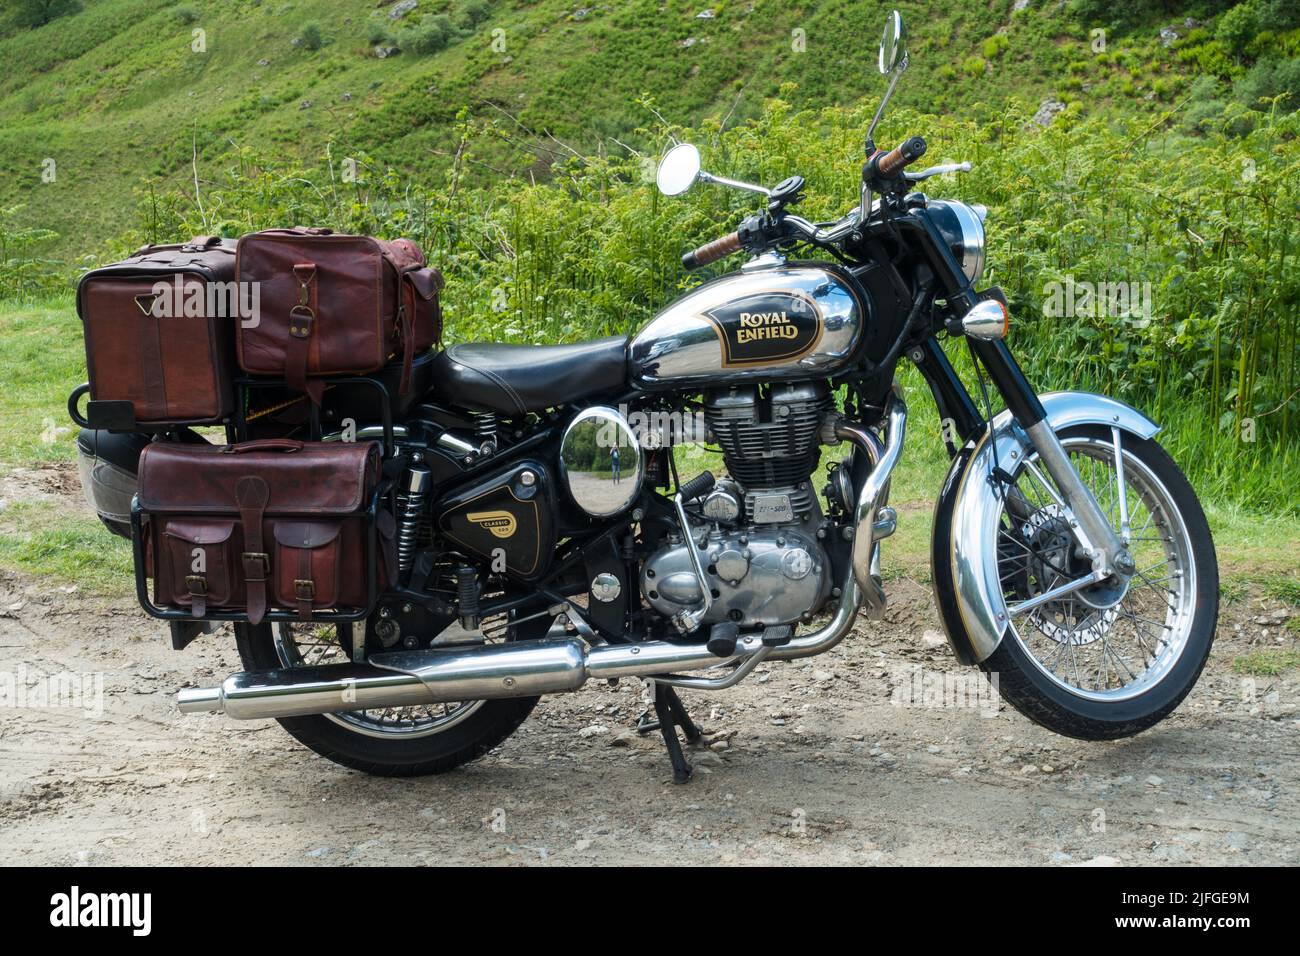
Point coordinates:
[[963, 548]]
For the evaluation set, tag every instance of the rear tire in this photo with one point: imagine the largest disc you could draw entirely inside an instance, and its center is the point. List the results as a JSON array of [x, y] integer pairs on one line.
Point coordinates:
[[478, 733]]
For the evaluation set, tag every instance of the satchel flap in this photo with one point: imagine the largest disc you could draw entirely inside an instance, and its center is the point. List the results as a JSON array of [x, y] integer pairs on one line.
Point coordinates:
[[402, 254], [426, 282], [200, 532], [318, 478], [306, 534]]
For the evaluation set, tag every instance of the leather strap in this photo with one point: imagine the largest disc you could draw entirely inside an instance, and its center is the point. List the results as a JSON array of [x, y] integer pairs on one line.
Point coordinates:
[[405, 322], [251, 495], [151, 368], [302, 326], [197, 585], [304, 588]]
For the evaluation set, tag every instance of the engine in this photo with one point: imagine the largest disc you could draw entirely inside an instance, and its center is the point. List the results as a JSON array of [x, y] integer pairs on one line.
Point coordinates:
[[758, 528]]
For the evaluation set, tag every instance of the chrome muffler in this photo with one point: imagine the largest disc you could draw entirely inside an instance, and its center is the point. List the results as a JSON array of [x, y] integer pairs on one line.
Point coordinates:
[[478, 672], [532, 668]]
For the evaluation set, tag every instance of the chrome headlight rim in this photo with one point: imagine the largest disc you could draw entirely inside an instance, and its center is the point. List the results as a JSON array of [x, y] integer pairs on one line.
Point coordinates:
[[962, 226]]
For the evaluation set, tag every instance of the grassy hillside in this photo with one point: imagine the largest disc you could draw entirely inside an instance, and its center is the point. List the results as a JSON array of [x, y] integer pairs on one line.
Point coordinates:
[[119, 96], [1171, 163]]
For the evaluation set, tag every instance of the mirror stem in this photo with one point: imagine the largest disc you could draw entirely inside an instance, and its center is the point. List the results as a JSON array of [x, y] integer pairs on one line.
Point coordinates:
[[893, 82], [734, 183]]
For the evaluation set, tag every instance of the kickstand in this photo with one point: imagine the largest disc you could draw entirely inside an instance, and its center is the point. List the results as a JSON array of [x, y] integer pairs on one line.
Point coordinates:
[[671, 715]]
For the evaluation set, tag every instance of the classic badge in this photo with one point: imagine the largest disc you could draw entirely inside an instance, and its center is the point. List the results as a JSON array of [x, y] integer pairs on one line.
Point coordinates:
[[500, 523]]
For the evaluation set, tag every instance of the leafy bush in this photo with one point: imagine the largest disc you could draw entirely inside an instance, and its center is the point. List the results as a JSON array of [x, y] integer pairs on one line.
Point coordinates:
[[994, 46], [23, 272], [430, 35], [472, 13], [311, 37], [185, 13], [1269, 78]]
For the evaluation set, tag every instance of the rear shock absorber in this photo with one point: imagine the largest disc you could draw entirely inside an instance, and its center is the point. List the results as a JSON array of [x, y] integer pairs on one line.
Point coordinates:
[[486, 428], [408, 533]]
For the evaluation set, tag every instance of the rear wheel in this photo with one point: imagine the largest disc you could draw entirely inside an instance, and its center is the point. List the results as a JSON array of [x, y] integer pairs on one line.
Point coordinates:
[[393, 742], [1110, 660]]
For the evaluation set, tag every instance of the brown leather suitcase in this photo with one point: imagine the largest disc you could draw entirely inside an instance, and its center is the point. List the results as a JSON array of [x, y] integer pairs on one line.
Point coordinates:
[[335, 305], [160, 330], [264, 525]]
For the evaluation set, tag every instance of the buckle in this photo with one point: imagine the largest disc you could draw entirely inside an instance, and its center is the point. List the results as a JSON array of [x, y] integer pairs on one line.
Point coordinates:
[[304, 590], [301, 318], [197, 584], [258, 559]]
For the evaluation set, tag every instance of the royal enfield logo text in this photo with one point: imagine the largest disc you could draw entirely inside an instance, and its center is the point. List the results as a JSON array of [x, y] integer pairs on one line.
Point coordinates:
[[196, 300], [74, 909], [25, 689], [766, 327], [761, 326]]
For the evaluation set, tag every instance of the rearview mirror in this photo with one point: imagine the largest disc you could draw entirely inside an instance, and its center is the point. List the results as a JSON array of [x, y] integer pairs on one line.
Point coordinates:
[[892, 46], [678, 170]]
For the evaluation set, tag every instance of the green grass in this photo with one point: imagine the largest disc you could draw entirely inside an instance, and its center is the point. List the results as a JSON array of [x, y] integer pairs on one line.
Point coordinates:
[[47, 540], [41, 360], [1269, 662]]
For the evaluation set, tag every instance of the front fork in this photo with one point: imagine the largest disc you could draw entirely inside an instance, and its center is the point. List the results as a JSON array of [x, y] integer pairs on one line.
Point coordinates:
[[1105, 549]]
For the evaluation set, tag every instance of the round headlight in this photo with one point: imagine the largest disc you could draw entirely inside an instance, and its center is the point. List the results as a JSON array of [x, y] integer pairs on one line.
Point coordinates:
[[962, 228]]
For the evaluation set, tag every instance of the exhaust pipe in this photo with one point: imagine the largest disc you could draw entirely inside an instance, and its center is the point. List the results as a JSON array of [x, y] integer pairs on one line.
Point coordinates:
[[533, 668], [481, 672]]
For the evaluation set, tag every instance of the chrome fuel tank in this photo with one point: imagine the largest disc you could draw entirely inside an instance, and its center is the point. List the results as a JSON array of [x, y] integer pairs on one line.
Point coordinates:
[[787, 322]]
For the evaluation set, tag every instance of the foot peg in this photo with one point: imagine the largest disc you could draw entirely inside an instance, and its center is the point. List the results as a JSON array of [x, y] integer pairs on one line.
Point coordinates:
[[777, 636], [722, 639]]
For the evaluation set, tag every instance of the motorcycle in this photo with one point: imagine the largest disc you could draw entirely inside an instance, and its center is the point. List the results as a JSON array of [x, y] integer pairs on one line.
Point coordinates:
[[545, 537]]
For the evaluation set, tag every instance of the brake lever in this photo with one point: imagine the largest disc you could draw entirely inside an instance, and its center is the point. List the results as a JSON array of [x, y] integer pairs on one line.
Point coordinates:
[[937, 171]]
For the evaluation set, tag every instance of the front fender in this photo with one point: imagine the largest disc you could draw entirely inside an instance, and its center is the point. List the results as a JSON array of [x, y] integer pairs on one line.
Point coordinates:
[[963, 544]]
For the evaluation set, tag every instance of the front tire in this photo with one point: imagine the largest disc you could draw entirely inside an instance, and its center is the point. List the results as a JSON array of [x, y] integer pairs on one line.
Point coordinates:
[[1076, 666]]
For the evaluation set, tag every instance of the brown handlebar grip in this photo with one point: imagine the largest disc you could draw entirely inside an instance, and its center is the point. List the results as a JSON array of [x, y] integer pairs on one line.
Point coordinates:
[[712, 251], [897, 159]]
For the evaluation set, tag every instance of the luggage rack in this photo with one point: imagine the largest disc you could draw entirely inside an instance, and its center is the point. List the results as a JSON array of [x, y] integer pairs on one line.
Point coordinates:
[[119, 416], [182, 617], [245, 386]]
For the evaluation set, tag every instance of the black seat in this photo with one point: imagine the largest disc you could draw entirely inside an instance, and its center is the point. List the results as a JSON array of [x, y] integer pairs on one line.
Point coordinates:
[[514, 379]]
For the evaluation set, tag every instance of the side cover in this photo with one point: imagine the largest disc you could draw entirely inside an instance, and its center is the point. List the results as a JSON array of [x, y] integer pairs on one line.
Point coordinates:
[[509, 514]]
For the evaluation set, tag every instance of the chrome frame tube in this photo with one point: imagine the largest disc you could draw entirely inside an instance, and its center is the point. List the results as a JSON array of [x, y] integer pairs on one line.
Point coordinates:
[[873, 495]]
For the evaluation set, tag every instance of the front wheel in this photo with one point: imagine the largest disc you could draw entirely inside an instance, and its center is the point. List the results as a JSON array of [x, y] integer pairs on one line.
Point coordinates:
[[1106, 661]]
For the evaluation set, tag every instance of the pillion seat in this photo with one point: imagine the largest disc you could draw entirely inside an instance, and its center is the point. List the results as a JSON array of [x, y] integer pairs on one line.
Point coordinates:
[[514, 379]]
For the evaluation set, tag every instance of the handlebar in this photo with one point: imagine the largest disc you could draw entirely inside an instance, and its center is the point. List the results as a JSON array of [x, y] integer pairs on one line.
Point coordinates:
[[890, 164], [712, 251]]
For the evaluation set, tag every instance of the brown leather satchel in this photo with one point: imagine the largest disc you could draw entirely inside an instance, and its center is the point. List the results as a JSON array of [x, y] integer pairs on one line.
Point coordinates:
[[335, 305], [264, 524], [160, 332]]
